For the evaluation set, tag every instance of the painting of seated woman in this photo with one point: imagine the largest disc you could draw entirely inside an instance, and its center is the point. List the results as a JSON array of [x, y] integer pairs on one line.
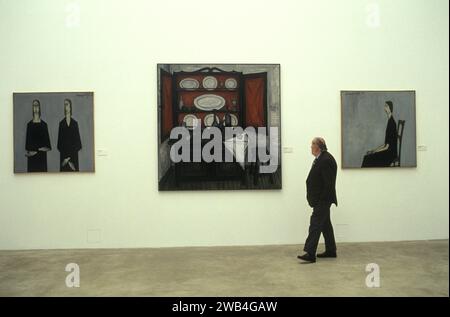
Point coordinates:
[[378, 129]]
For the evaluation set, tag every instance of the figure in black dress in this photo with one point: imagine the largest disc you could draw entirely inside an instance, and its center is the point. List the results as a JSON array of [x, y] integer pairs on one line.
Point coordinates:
[[385, 154], [69, 141], [37, 142]]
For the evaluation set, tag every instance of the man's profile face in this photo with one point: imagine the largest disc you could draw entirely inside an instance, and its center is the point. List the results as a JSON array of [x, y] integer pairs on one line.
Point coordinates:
[[314, 148]]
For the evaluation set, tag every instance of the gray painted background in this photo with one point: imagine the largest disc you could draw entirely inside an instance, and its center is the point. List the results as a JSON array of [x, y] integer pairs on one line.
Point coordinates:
[[52, 112], [364, 124]]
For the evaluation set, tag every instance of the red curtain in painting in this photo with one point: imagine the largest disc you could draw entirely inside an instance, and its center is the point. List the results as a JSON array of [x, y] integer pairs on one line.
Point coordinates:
[[166, 102], [255, 99]]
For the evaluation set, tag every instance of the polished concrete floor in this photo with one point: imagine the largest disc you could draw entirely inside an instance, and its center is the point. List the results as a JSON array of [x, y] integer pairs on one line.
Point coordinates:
[[418, 268]]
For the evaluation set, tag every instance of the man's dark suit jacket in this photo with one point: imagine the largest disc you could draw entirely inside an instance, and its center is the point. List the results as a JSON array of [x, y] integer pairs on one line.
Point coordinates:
[[321, 181]]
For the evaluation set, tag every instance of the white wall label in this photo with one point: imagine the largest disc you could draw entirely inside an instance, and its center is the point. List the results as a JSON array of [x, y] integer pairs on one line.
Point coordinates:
[[422, 148], [102, 152], [288, 150]]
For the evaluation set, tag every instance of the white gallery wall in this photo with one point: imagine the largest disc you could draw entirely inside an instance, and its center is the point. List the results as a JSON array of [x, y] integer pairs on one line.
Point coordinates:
[[112, 48]]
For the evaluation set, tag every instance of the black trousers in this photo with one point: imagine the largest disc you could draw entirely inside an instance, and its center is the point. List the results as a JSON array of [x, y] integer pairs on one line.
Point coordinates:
[[320, 223]]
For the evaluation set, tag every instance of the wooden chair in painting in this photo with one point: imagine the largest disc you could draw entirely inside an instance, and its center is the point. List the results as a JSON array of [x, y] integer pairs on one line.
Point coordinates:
[[401, 128]]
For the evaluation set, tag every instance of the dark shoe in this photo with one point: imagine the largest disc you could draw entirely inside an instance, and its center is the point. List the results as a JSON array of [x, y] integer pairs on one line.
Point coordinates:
[[327, 255], [307, 258]]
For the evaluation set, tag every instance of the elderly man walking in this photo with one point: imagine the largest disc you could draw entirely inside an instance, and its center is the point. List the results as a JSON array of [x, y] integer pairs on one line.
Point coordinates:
[[321, 194]]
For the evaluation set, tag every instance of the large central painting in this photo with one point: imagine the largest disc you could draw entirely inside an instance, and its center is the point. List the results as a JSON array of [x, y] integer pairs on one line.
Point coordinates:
[[219, 126]]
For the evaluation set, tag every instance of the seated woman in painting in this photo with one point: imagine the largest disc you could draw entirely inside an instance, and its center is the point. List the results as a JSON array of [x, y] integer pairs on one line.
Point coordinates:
[[386, 153], [37, 142], [69, 141]]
